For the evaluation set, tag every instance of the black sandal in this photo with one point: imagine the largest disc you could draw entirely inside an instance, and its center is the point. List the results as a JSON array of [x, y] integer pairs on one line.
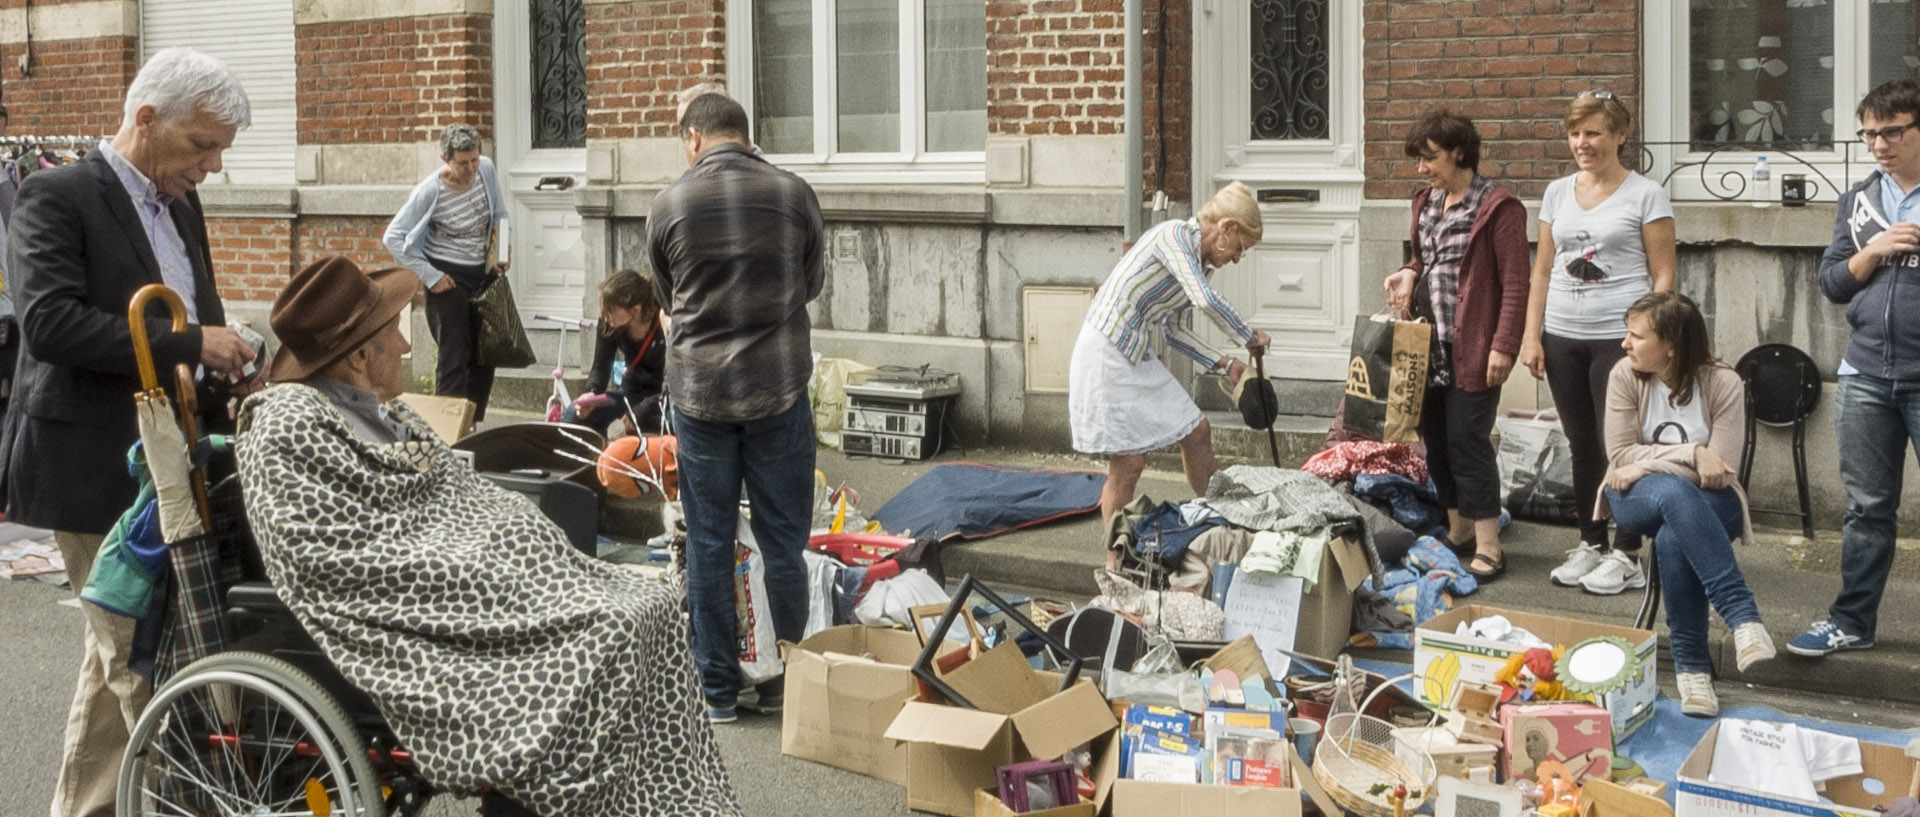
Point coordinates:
[[1496, 565]]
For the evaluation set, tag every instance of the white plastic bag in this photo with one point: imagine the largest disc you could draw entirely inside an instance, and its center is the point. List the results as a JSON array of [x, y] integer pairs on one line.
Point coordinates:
[[822, 571], [759, 645], [1536, 466], [888, 601]]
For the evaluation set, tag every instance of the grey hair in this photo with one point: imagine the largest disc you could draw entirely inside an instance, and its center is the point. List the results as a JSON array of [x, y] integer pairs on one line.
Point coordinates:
[[179, 80], [457, 138]]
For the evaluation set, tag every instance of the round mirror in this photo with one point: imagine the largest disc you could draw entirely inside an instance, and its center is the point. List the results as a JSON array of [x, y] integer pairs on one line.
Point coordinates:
[[1599, 665]]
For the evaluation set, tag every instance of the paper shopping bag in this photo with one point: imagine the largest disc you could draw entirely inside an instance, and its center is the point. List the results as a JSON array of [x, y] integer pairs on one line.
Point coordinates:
[[1387, 378]]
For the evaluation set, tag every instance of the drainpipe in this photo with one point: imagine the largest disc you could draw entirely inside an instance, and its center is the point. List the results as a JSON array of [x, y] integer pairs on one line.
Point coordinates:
[[1135, 139]]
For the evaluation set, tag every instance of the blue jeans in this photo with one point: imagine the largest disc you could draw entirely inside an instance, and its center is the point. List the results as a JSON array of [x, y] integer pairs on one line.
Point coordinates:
[[774, 457], [1873, 420], [1693, 530]]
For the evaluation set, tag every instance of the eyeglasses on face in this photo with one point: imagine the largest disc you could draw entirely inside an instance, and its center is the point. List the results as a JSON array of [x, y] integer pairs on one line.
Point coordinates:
[[1891, 133]]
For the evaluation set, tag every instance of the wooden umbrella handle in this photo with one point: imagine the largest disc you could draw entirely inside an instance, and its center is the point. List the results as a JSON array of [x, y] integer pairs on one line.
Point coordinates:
[[137, 325]]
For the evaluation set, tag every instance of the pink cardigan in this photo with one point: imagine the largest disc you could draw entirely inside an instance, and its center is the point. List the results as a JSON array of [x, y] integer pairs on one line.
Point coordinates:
[[1723, 397], [1494, 279]]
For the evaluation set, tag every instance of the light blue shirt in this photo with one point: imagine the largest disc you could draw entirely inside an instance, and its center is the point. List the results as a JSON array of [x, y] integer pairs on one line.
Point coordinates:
[[168, 248], [1897, 204], [406, 235]]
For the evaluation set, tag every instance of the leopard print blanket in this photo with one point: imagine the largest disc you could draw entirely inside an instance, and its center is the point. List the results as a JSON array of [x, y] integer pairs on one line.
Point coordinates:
[[500, 655]]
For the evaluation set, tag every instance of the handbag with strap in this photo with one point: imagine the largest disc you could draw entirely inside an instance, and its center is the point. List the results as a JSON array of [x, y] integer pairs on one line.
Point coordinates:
[[499, 338]]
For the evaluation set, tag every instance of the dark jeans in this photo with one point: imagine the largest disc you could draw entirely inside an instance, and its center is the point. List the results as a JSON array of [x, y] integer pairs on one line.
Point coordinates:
[[1873, 421], [1692, 532], [1577, 372], [450, 318], [1455, 424], [774, 457]]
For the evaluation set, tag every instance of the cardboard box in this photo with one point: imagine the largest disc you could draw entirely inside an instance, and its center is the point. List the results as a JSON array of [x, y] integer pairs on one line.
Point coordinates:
[[1885, 769], [1443, 659], [1325, 618], [844, 687], [987, 804], [1603, 798], [1452, 757], [1135, 798], [953, 751], [1574, 733], [449, 417]]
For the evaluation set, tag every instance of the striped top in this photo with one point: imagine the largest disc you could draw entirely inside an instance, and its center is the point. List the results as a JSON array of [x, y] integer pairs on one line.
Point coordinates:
[[1156, 286], [461, 226]]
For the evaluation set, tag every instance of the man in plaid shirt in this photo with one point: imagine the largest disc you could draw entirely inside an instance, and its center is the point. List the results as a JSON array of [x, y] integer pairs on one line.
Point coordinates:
[[737, 252]]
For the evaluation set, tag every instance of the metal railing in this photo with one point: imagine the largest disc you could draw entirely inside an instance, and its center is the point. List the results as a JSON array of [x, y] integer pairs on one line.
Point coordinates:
[[1720, 171]]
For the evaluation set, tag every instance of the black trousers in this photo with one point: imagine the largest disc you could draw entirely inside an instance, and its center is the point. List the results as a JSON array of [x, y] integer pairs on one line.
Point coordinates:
[[1577, 372], [450, 318], [1457, 425]]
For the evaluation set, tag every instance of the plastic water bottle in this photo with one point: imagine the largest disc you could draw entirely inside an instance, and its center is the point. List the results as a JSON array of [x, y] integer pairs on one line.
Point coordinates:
[[1762, 187]]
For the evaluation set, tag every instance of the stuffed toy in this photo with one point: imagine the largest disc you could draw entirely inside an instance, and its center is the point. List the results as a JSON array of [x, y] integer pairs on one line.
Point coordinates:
[[1530, 676]]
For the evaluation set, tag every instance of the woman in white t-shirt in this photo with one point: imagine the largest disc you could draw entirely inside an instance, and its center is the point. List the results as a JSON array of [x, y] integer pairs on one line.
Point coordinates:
[[1676, 420], [1606, 239]]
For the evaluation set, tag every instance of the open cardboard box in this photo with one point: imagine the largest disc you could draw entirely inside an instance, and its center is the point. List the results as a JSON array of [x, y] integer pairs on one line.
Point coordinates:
[[1884, 769], [1603, 798], [1139, 798], [1443, 659], [1023, 715], [986, 803], [844, 687], [1326, 614]]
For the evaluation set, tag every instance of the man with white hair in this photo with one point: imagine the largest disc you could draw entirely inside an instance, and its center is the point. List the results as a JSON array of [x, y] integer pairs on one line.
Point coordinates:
[[85, 237]]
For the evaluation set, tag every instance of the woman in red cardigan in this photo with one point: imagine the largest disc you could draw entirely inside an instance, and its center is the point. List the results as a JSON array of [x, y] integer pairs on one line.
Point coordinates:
[[1468, 276]]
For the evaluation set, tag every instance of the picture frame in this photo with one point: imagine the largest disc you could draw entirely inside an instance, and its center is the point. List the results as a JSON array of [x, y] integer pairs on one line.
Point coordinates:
[[1036, 785], [926, 618], [1464, 798]]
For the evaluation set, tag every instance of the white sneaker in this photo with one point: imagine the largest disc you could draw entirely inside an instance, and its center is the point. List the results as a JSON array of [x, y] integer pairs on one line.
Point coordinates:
[[1615, 573], [1696, 694], [1581, 560], [1752, 644]]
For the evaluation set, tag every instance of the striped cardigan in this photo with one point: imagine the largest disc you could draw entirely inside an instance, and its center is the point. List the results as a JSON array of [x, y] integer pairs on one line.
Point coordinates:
[[1156, 286]]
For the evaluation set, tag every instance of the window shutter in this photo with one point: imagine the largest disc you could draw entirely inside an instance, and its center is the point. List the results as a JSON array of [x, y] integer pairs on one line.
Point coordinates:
[[255, 39]]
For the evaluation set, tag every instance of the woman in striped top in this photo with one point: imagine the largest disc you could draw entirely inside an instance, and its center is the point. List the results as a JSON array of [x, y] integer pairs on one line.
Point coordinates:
[[1121, 400], [445, 235]]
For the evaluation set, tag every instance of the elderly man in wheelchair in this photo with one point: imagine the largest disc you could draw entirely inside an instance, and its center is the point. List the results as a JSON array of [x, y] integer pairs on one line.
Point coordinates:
[[459, 644]]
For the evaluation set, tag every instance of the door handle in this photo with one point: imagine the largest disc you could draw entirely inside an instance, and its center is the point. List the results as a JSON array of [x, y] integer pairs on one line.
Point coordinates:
[[1288, 195]]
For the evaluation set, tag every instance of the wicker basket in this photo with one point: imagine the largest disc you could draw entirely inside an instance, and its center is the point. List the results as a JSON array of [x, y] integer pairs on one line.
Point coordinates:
[[1356, 754]]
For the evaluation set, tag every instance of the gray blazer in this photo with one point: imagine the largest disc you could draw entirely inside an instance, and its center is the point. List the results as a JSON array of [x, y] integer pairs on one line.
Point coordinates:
[[77, 253]]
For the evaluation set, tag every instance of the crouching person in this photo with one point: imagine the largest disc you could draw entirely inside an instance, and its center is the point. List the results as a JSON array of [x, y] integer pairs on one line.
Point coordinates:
[[500, 655]]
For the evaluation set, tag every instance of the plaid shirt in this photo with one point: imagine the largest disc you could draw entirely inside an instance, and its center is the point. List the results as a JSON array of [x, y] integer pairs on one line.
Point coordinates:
[[737, 252], [1443, 235]]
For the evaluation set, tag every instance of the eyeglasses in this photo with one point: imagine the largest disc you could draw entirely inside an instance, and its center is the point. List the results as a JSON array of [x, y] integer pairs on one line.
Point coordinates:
[[1891, 133], [1595, 94]]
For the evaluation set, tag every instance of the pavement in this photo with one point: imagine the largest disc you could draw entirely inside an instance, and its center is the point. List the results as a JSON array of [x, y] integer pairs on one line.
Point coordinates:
[[1793, 580]]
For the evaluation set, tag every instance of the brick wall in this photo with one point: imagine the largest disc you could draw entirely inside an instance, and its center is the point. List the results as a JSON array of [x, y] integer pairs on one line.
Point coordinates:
[[1510, 65], [640, 54], [1054, 67], [250, 256], [356, 237], [394, 80], [72, 88]]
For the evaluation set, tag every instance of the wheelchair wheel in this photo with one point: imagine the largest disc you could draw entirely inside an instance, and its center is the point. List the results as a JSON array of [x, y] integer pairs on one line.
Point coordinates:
[[245, 733]]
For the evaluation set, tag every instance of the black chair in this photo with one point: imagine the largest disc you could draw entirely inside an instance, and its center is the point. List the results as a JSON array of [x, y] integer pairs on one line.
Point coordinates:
[[1783, 388]]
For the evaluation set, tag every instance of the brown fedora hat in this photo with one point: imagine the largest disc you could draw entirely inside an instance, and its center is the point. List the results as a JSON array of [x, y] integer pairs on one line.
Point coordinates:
[[331, 308]]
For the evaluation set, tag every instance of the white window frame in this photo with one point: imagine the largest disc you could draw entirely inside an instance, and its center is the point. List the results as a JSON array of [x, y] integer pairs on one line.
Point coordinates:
[[913, 163], [1667, 112]]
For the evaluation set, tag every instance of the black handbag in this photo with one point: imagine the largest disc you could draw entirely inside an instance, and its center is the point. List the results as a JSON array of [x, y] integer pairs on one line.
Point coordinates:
[[499, 338]]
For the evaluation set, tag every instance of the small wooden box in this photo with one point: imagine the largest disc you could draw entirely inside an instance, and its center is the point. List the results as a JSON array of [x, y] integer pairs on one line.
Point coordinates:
[[1475, 713]]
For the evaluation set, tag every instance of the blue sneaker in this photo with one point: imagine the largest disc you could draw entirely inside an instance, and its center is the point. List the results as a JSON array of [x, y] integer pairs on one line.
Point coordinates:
[[1826, 637], [718, 715]]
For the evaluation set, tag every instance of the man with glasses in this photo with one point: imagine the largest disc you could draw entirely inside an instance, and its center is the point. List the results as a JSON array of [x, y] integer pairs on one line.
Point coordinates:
[[1873, 267]]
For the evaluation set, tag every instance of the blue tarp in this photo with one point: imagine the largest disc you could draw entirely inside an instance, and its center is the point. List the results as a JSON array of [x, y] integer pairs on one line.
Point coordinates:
[[972, 500]]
